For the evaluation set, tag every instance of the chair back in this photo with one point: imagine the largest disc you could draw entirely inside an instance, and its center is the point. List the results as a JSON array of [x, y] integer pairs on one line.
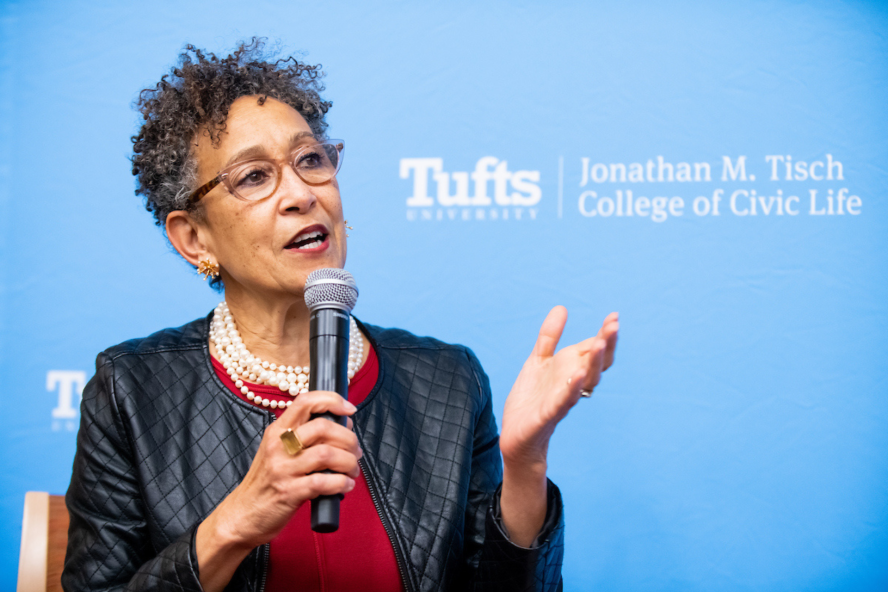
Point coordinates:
[[44, 541]]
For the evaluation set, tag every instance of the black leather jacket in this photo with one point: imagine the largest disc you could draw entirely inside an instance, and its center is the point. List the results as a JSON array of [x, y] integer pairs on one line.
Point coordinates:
[[162, 442]]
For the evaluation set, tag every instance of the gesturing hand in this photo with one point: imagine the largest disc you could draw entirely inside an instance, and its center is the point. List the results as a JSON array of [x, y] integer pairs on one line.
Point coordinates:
[[549, 385]]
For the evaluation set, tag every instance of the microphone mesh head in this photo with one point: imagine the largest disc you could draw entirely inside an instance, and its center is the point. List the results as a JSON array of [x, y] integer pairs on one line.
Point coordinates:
[[331, 287]]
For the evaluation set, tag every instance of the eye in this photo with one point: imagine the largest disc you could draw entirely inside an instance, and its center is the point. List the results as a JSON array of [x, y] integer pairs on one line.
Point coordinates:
[[311, 159], [252, 175]]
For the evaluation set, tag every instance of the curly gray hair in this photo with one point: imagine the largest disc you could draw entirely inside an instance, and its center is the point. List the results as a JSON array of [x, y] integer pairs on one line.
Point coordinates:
[[196, 95]]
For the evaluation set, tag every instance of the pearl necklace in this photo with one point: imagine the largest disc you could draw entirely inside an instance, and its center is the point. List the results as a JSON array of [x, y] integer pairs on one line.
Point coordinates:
[[242, 366]]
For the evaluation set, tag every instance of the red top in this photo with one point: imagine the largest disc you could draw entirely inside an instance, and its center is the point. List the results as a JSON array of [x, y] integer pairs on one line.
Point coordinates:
[[358, 556]]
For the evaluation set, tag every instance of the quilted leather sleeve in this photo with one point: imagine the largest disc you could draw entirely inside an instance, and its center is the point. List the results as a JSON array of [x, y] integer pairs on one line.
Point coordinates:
[[108, 546], [493, 562]]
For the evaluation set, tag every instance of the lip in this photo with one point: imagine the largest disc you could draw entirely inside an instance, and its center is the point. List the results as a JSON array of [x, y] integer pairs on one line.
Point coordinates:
[[308, 230]]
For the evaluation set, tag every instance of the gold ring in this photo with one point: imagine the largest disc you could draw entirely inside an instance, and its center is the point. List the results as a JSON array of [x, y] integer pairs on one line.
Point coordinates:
[[292, 444]]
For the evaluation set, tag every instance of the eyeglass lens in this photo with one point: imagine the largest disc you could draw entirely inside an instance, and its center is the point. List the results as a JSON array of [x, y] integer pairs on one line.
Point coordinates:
[[257, 179]]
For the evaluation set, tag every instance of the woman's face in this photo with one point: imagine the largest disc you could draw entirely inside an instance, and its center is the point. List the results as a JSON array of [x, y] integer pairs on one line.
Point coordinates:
[[261, 245]]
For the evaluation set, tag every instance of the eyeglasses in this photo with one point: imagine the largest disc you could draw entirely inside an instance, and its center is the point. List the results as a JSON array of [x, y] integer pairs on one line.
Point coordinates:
[[258, 178]]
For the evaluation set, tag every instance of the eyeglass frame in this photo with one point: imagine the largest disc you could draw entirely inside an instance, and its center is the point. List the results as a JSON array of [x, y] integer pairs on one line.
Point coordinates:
[[222, 177]]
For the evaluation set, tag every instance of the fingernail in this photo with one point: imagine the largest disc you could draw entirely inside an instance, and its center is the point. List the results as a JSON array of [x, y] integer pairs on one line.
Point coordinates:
[[351, 484], [349, 407]]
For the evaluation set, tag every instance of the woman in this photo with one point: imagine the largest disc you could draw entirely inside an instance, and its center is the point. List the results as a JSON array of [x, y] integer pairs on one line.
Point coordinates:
[[183, 479]]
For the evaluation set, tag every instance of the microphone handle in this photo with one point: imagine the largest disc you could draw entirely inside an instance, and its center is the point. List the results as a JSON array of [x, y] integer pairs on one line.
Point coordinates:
[[328, 349]]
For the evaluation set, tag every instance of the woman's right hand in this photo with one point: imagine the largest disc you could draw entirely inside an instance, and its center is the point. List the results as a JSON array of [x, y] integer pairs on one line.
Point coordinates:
[[277, 484]]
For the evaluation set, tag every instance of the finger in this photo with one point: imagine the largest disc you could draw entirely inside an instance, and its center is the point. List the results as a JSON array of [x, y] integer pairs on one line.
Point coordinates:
[[610, 332], [550, 332], [594, 364], [584, 347], [321, 431], [575, 384], [307, 404], [324, 484], [607, 332], [614, 316], [323, 457]]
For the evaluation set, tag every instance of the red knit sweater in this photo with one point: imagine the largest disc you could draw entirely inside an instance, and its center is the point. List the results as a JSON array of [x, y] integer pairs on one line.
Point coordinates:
[[358, 556]]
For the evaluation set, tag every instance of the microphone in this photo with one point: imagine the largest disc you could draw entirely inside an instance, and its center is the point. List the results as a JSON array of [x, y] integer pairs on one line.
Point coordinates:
[[330, 295]]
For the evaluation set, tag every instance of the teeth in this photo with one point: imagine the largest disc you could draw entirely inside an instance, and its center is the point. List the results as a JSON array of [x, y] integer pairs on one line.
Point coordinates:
[[315, 234], [315, 237]]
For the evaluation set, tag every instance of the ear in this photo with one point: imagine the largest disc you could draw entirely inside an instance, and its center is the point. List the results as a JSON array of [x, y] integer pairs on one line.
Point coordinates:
[[187, 236]]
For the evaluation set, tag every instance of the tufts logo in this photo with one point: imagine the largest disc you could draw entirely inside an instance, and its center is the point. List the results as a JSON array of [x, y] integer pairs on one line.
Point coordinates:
[[496, 192], [67, 383]]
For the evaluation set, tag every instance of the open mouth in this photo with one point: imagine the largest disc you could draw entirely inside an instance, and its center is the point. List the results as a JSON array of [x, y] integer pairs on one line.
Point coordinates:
[[305, 242]]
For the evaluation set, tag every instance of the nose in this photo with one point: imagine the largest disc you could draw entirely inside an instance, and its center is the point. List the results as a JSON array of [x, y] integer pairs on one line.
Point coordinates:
[[294, 194]]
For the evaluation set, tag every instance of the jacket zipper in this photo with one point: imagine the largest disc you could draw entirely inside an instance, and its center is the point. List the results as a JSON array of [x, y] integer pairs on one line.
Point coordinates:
[[266, 548], [265, 553], [371, 487]]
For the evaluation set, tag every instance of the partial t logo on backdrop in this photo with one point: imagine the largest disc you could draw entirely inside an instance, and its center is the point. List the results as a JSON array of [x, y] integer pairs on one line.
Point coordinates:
[[490, 192], [66, 383]]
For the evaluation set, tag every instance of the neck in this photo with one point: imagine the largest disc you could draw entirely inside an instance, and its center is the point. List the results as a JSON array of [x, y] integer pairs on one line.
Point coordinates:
[[275, 329]]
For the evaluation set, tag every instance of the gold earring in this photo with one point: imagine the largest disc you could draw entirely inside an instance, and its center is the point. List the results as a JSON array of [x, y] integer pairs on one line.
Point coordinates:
[[347, 226], [208, 269]]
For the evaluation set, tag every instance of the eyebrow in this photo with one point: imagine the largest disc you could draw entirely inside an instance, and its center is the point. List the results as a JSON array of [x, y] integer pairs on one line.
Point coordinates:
[[258, 151]]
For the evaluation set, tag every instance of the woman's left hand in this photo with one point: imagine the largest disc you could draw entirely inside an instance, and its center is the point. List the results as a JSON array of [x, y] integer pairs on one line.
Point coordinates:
[[548, 386]]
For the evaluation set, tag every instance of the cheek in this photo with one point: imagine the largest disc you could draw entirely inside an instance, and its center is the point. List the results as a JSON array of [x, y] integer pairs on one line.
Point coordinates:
[[334, 206], [236, 235]]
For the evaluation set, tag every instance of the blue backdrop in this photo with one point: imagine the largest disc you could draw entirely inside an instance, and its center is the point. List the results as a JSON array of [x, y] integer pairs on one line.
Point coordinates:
[[493, 149]]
